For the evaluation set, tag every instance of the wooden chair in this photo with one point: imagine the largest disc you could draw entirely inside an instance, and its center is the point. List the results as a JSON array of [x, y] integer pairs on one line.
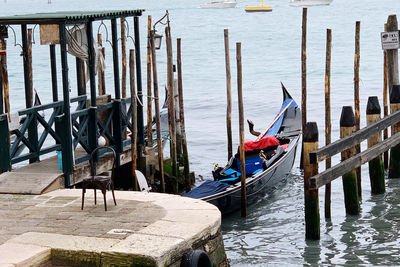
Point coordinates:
[[99, 181]]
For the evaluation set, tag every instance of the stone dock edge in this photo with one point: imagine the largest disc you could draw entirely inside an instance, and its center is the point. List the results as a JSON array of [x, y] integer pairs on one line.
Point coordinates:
[[178, 226]]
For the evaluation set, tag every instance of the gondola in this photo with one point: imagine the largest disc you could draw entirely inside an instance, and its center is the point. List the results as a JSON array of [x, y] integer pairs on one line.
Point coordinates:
[[269, 160]]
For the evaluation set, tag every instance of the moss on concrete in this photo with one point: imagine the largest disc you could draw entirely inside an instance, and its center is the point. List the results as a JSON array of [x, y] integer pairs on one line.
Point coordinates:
[[119, 260], [75, 258]]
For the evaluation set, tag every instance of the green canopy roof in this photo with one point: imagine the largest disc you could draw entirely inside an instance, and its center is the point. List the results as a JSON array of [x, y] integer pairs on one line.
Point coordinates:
[[68, 17]]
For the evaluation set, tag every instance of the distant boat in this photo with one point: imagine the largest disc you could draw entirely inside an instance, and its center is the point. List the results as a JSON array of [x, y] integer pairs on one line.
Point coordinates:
[[310, 2], [220, 4], [261, 8]]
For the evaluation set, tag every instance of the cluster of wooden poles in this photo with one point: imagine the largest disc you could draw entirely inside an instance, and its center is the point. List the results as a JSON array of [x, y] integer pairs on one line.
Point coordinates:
[[176, 118], [351, 135]]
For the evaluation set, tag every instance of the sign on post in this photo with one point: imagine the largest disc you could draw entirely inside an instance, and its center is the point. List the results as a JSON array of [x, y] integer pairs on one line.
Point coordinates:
[[390, 40]]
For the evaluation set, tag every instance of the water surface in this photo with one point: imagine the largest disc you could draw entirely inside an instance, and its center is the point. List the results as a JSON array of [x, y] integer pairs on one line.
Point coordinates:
[[273, 233]]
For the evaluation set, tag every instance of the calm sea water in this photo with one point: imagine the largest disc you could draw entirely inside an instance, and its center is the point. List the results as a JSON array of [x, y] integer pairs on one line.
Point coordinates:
[[273, 233]]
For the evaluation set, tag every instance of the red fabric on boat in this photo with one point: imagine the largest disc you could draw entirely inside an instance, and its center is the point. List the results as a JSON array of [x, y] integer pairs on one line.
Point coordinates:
[[261, 144]]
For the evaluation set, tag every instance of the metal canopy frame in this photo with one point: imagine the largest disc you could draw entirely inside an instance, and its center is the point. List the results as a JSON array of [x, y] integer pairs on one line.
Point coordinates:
[[68, 17], [64, 19]]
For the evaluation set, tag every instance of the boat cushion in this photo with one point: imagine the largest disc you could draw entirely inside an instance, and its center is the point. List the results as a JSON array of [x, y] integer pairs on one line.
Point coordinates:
[[261, 144]]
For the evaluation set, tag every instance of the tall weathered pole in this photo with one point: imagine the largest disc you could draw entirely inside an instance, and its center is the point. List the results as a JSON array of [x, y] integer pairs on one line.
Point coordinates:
[[171, 104], [182, 118], [376, 167], [123, 55], [392, 55], [30, 64], [328, 116], [385, 102], [350, 188], [134, 116], [394, 159], [149, 100], [357, 96], [304, 74], [228, 94], [4, 76], [311, 202], [241, 130], [100, 75], [157, 111]]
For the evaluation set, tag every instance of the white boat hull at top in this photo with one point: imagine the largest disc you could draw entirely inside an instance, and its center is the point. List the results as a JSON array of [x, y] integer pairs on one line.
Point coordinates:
[[310, 2], [219, 4]]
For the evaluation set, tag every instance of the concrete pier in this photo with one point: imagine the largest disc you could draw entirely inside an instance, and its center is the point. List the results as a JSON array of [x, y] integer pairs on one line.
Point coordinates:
[[144, 229]]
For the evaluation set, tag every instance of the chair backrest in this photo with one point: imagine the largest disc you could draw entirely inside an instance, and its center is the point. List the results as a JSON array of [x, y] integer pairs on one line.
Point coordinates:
[[93, 164]]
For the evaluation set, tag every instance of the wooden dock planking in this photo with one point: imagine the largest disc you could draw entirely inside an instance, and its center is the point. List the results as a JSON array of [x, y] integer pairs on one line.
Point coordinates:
[[36, 178], [45, 176]]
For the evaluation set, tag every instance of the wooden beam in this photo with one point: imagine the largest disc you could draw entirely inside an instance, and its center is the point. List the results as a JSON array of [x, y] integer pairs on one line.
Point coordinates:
[[345, 166], [356, 138]]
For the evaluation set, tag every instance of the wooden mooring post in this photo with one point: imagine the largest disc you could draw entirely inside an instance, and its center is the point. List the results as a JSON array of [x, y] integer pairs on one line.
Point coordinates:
[[328, 127], [241, 130], [149, 98], [123, 56], [157, 111], [311, 200], [228, 94], [134, 116], [182, 118], [4, 76], [350, 188], [385, 103], [394, 166], [303, 75], [376, 167], [392, 55], [357, 96], [171, 104], [100, 75]]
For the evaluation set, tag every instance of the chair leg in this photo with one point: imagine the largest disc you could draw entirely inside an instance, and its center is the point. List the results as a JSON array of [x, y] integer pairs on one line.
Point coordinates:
[[83, 196], [95, 200], [112, 191], [104, 196]]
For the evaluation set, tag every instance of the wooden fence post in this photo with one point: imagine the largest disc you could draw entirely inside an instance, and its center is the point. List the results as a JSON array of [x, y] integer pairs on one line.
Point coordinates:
[[376, 168], [357, 96], [311, 202], [241, 129], [392, 55], [350, 188], [228, 94], [328, 162], [394, 159]]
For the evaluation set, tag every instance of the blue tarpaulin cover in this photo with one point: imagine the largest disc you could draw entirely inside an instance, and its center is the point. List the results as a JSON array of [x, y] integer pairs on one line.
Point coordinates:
[[207, 188]]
